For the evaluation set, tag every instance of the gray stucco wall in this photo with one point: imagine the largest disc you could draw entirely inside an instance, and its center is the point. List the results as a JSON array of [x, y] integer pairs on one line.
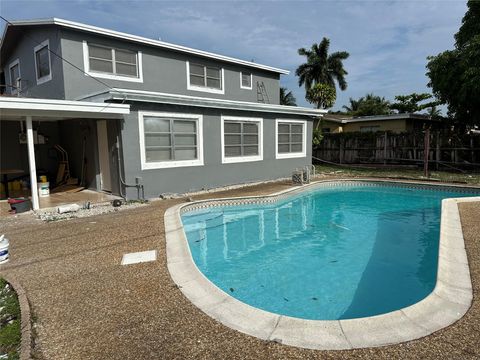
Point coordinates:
[[213, 173], [163, 71], [24, 52]]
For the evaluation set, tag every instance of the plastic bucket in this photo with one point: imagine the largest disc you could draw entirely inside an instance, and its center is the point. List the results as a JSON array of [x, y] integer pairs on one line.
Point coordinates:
[[43, 189], [43, 179], [3, 249]]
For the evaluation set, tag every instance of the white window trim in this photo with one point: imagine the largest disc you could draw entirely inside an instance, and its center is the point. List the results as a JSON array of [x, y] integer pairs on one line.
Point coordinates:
[[170, 164], [239, 159], [301, 154], [86, 64], [48, 77], [251, 82], [13, 88], [205, 89]]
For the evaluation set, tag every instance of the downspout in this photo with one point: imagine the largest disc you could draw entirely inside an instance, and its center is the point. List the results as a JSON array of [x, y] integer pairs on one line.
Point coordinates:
[[120, 177]]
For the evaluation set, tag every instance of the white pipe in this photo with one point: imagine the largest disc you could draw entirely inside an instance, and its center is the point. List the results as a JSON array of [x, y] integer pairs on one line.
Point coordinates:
[[31, 162]]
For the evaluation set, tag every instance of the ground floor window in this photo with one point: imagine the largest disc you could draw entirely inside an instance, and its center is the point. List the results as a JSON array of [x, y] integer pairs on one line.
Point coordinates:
[[170, 140], [291, 138], [241, 139]]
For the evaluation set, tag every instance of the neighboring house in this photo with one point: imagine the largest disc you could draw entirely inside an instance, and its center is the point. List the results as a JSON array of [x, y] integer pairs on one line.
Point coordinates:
[[395, 123], [179, 119]]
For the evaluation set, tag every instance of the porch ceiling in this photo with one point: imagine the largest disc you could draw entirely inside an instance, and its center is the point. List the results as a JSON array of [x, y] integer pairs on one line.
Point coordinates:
[[16, 108]]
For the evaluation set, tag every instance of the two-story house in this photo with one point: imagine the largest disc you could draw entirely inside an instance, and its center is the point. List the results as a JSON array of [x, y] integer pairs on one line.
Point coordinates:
[[168, 117]]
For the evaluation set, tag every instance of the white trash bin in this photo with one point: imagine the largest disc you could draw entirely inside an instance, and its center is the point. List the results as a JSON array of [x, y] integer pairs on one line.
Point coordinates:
[[44, 189], [3, 249]]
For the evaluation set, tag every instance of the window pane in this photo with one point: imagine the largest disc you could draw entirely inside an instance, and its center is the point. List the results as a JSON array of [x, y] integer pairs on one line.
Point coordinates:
[[156, 124], [246, 80], [126, 56], [296, 147], [251, 128], [250, 150], [297, 129], [232, 127], [186, 154], [14, 74], [283, 128], [213, 72], [298, 138], [283, 148], [196, 80], [233, 139], [124, 69], [187, 126], [153, 155], [231, 151], [157, 140], [283, 138], [101, 65], [185, 139], [43, 65], [196, 69], [99, 52], [213, 83], [250, 139]]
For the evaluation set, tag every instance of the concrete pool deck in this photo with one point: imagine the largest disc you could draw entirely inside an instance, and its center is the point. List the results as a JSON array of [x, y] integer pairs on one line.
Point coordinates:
[[86, 305], [448, 302]]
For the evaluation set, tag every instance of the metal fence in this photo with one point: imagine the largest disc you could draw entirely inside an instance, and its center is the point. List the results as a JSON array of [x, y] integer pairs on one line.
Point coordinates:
[[445, 149]]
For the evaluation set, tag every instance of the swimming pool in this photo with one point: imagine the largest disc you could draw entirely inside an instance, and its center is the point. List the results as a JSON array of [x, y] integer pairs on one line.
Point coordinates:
[[329, 253]]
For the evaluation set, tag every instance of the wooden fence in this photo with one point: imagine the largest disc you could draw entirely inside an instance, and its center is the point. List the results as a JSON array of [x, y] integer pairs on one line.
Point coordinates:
[[446, 149]]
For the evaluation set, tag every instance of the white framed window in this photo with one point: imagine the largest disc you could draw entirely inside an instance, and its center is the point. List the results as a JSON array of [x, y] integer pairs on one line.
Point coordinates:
[[43, 65], [205, 78], [15, 77], [112, 63], [242, 139], [290, 138], [246, 80], [170, 140]]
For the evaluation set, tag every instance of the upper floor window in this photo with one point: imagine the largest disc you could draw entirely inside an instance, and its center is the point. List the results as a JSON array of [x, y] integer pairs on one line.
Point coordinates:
[[205, 78], [170, 140], [241, 139], [15, 77], [111, 63], [291, 139], [246, 80], [42, 62]]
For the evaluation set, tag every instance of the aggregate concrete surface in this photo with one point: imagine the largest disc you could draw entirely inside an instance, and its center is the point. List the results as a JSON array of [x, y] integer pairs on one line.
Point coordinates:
[[85, 305]]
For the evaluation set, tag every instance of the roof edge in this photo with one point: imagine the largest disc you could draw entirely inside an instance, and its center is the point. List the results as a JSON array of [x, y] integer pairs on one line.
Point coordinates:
[[145, 41], [174, 99]]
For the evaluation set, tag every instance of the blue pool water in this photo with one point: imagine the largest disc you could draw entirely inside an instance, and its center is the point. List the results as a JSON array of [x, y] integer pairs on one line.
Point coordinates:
[[329, 253]]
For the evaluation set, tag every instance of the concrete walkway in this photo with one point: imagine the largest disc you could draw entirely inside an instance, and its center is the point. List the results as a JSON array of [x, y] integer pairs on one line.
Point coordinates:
[[88, 306]]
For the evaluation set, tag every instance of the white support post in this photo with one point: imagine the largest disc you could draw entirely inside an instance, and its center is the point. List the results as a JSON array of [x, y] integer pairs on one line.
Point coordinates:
[[31, 162]]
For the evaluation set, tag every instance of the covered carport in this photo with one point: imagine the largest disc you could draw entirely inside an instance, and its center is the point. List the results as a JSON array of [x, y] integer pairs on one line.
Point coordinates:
[[39, 111]]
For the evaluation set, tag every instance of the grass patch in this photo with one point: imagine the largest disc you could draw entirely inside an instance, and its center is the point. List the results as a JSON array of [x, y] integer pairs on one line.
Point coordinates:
[[398, 173], [10, 332]]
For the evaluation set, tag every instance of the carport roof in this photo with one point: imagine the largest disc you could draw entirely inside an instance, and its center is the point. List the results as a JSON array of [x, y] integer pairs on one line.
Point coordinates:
[[16, 108]]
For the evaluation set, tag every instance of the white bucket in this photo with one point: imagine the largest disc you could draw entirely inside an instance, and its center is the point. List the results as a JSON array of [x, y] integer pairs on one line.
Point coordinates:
[[44, 189], [3, 249]]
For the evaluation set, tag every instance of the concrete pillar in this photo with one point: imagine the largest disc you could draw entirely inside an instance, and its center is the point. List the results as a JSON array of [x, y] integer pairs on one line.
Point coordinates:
[[31, 162]]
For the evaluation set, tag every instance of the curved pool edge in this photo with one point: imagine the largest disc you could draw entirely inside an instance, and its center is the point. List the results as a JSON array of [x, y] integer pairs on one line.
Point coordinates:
[[446, 304]]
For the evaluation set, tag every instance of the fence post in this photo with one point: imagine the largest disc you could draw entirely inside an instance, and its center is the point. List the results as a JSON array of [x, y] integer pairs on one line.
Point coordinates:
[[385, 149], [426, 151], [342, 146], [437, 151]]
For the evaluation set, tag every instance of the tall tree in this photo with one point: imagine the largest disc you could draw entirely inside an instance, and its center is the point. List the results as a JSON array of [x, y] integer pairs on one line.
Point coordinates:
[[322, 67], [287, 98], [412, 103], [353, 106], [455, 74], [322, 95]]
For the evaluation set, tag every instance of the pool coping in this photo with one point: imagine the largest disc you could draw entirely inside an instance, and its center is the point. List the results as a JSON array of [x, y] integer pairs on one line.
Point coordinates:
[[447, 303]]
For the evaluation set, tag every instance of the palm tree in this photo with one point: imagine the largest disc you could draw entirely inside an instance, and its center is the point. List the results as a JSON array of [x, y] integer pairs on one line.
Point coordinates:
[[287, 98], [354, 105], [322, 68]]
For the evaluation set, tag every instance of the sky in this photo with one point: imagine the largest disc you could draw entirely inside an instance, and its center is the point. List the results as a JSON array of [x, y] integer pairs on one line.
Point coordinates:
[[388, 41]]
